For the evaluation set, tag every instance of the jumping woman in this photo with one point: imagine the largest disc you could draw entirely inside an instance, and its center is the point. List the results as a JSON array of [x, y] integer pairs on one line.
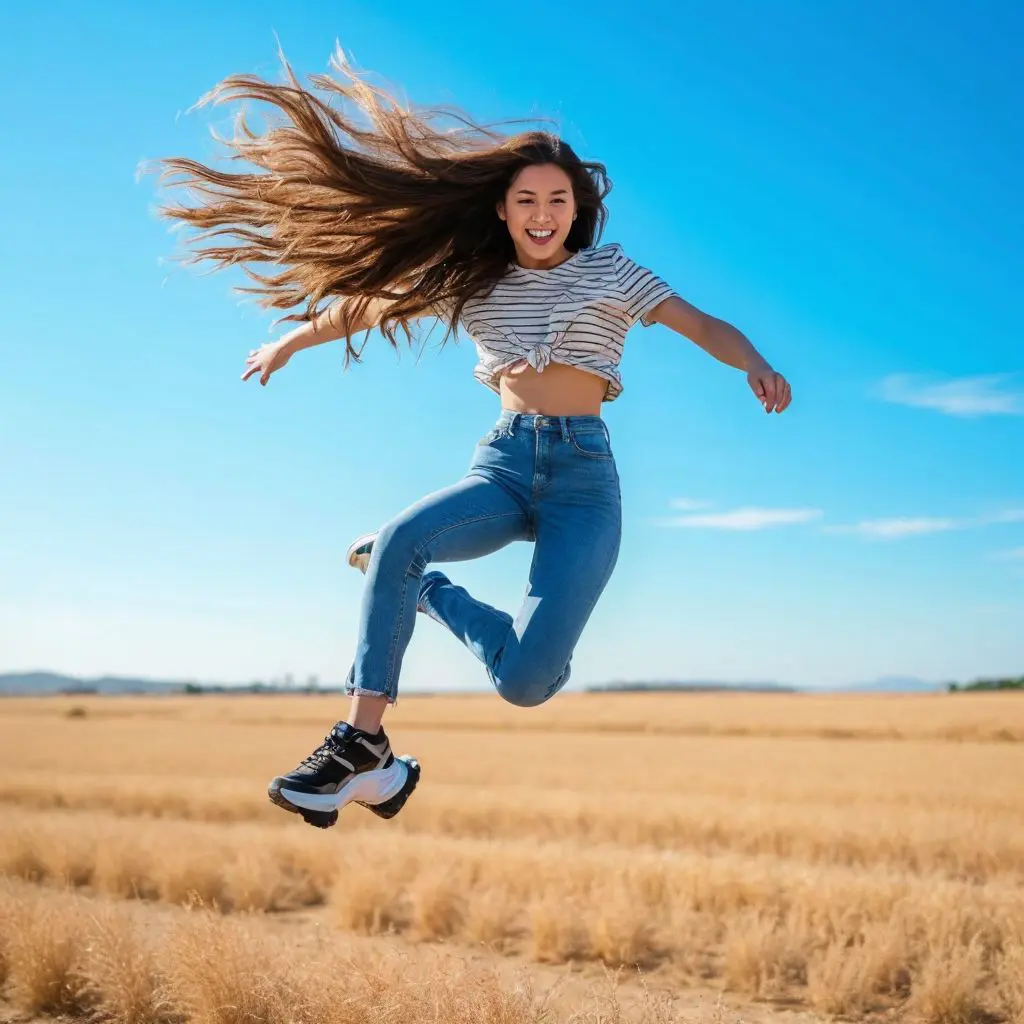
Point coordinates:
[[374, 225]]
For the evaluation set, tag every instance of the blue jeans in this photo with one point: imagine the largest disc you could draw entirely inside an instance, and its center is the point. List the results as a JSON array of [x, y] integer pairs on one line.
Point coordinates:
[[547, 479]]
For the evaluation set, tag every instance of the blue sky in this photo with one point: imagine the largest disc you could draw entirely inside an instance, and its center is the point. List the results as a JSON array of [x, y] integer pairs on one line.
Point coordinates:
[[840, 181]]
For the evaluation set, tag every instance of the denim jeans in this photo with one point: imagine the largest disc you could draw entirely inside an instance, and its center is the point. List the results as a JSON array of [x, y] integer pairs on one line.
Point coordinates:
[[547, 479]]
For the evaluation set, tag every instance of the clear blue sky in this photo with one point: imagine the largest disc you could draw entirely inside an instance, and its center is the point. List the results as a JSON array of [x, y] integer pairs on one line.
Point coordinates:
[[841, 181]]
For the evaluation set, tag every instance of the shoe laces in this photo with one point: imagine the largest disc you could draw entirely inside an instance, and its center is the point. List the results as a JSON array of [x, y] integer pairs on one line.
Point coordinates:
[[322, 754]]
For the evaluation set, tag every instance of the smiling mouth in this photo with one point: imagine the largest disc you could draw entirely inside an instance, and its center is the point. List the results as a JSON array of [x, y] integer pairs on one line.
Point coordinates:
[[540, 236]]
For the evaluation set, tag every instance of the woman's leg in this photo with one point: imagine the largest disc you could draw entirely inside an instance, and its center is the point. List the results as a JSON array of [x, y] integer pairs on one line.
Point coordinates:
[[472, 518], [528, 657], [576, 522], [355, 763]]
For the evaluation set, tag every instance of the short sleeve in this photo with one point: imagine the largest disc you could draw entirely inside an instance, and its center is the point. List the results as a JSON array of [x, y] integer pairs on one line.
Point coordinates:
[[643, 289]]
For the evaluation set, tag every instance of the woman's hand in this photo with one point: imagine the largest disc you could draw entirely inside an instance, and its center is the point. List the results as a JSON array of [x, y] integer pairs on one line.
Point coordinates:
[[771, 388], [267, 359]]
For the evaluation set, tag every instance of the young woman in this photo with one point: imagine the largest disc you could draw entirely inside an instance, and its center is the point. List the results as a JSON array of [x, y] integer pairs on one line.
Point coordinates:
[[497, 233]]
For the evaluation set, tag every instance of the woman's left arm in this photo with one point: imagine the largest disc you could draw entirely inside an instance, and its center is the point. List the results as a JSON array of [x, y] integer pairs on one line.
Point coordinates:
[[728, 345]]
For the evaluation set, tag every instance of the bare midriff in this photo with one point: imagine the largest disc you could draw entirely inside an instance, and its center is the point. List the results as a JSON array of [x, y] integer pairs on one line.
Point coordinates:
[[559, 390]]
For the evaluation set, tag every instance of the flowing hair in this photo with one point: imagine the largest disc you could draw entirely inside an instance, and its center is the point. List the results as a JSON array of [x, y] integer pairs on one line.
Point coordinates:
[[401, 210]]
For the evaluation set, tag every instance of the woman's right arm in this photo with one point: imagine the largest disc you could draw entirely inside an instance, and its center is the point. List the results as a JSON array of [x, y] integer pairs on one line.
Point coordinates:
[[328, 326]]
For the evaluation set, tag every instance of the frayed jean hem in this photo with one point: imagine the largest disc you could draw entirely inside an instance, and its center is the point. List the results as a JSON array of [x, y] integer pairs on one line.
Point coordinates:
[[362, 691]]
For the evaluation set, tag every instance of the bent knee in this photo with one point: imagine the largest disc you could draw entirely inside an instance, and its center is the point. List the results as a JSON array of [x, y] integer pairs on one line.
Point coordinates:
[[399, 542], [529, 689]]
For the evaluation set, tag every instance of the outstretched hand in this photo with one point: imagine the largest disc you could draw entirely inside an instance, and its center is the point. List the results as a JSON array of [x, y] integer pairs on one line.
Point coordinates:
[[266, 359], [771, 389]]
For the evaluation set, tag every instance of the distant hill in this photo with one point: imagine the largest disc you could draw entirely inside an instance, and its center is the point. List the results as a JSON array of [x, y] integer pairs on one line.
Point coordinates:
[[52, 682], [43, 683]]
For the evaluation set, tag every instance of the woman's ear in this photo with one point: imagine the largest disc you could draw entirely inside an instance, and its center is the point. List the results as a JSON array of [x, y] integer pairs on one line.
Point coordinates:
[[500, 207]]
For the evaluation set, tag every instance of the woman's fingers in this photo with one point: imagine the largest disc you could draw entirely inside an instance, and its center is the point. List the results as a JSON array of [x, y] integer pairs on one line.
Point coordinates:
[[260, 366], [264, 361], [780, 391], [771, 389]]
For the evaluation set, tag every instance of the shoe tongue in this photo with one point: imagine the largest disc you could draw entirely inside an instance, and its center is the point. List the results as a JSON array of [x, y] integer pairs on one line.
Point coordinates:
[[343, 732]]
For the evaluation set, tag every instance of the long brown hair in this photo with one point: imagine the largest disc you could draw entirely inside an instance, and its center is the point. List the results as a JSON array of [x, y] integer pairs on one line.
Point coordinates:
[[402, 210]]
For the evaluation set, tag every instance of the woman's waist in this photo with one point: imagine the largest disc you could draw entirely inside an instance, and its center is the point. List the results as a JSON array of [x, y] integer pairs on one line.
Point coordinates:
[[557, 390]]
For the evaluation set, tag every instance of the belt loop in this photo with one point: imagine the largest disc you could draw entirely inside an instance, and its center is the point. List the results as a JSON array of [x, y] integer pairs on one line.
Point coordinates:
[[563, 422], [513, 423]]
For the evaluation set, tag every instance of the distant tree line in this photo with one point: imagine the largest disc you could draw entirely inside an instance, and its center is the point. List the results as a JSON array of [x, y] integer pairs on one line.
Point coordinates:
[[289, 685], [989, 684]]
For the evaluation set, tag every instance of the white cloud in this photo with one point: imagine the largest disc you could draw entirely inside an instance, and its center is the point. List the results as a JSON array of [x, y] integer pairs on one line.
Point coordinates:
[[914, 526], [981, 395], [1012, 554], [688, 504], [891, 528], [908, 526], [1009, 515], [750, 518]]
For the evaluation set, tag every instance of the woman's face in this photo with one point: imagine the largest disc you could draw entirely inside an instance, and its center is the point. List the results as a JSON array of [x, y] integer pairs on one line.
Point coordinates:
[[539, 209]]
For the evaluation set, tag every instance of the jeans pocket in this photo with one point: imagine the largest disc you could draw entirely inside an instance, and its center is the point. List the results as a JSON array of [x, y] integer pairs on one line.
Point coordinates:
[[592, 445]]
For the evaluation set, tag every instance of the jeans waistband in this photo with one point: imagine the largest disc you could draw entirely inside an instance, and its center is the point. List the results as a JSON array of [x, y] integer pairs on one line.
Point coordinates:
[[510, 421]]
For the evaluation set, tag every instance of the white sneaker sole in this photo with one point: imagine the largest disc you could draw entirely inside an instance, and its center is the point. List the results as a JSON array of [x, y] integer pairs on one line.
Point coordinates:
[[374, 787]]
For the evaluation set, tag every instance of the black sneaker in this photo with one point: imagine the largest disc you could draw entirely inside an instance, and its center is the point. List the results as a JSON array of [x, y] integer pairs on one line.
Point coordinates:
[[350, 765]]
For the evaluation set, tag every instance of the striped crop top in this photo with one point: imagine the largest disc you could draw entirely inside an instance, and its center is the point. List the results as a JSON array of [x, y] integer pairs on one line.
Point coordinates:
[[577, 313]]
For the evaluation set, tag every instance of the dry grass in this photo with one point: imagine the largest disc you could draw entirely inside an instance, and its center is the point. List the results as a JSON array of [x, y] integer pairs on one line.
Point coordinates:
[[985, 717], [120, 973], [243, 868], [856, 855], [74, 956], [836, 982], [43, 959], [903, 800], [844, 940], [948, 987], [1010, 974], [976, 843]]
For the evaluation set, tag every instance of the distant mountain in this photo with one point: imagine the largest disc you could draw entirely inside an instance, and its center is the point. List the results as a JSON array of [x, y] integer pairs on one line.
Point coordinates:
[[51, 682], [44, 683]]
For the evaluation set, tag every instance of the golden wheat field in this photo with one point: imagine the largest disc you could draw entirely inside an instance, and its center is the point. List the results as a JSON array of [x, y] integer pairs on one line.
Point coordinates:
[[634, 858]]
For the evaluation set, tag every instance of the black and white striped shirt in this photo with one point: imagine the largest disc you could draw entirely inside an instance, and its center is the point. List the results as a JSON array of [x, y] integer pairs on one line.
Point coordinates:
[[577, 313]]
